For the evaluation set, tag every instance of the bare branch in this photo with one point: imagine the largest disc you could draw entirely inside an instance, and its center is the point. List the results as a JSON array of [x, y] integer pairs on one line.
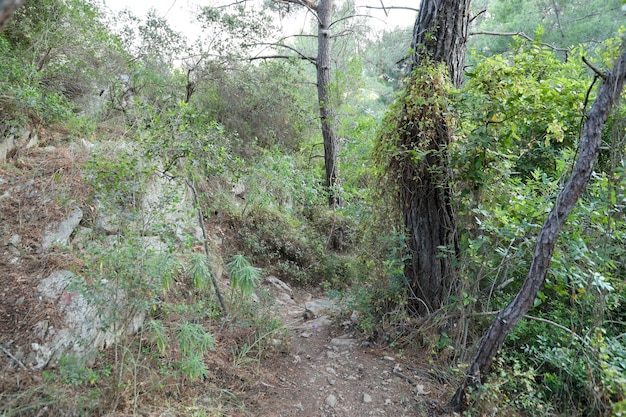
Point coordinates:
[[225, 6], [300, 54], [343, 33], [477, 14], [594, 69], [306, 3], [349, 17], [521, 35], [384, 9], [392, 8], [255, 58], [6, 352]]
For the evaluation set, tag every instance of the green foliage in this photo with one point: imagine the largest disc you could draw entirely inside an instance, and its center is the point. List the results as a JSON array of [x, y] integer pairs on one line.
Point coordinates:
[[525, 106], [194, 341], [276, 242], [266, 104], [512, 389], [521, 115], [74, 372], [60, 53], [23, 100], [243, 276], [566, 23], [384, 291], [410, 139], [200, 271], [119, 178]]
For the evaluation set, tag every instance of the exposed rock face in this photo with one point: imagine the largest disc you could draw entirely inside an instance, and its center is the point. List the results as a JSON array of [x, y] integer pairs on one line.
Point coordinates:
[[60, 235], [83, 329], [14, 141]]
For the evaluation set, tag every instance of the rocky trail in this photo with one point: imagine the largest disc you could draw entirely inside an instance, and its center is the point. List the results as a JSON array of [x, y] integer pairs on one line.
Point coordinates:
[[330, 372]]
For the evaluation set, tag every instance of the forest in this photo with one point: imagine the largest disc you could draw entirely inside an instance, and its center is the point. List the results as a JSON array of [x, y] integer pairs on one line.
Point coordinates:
[[455, 189]]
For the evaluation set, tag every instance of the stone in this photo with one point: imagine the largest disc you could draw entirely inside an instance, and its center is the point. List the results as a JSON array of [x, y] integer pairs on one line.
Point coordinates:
[[419, 390], [279, 284], [60, 235], [284, 298], [340, 342], [81, 332], [15, 240], [317, 308], [6, 147], [331, 400], [367, 398]]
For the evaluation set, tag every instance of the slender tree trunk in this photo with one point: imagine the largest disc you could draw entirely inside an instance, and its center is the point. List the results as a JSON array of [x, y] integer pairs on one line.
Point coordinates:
[[327, 113], [439, 35], [589, 147]]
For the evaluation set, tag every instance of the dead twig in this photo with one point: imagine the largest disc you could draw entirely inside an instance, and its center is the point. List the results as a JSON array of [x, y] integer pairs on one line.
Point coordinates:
[[14, 358]]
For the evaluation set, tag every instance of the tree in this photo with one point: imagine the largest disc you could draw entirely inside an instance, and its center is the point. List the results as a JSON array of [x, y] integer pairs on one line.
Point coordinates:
[[323, 11], [589, 149], [565, 23], [415, 152], [7, 7]]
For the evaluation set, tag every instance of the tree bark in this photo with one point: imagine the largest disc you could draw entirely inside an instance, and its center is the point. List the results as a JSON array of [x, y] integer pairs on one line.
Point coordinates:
[[7, 7], [439, 35], [323, 10], [327, 113], [589, 148]]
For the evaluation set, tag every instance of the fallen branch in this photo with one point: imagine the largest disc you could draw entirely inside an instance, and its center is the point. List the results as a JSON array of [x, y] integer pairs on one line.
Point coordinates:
[[16, 360]]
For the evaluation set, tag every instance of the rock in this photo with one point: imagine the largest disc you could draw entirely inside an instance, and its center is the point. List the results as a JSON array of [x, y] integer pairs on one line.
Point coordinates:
[[419, 390], [284, 298], [355, 317], [6, 147], [331, 400], [82, 330], [279, 284], [15, 240], [340, 342], [60, 235], [316, 308], [169, 202], [389, 358], [367, 398]]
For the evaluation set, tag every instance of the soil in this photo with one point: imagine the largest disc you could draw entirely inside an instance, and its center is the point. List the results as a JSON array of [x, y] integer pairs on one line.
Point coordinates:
[[326, 368], [331, 372]]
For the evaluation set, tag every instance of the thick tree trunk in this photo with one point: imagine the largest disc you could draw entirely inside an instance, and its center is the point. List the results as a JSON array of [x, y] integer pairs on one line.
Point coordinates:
[[589, 146], [327, 114], [439, 35]]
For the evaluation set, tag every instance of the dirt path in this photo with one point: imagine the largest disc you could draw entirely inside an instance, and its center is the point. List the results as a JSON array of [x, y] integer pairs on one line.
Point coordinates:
[[329, 372]]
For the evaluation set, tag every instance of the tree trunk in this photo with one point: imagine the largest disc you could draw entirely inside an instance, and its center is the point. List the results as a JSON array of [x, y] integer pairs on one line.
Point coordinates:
[[7, 7], [589, 147], [327, 114], [439, 35]]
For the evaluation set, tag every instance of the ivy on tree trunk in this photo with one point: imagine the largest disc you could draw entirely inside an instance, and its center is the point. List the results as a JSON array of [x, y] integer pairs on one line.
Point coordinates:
[[439, 36]]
